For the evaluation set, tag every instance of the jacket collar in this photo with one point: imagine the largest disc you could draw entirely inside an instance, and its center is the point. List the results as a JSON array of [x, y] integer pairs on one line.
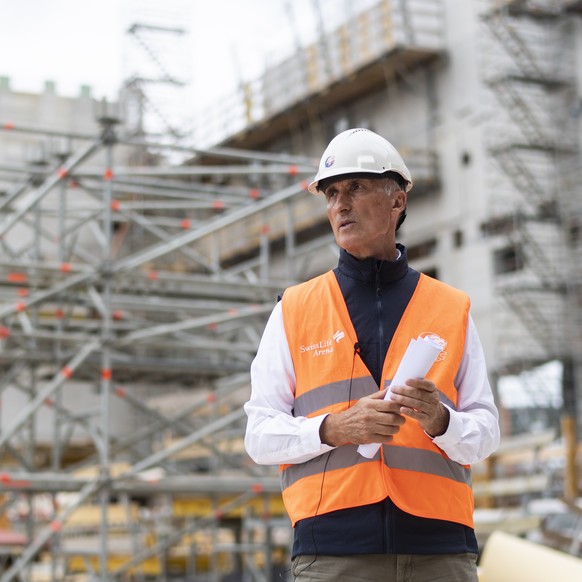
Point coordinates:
[[367, 270]]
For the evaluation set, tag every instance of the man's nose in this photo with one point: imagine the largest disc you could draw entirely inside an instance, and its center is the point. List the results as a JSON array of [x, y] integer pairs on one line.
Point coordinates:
[[342, 200]]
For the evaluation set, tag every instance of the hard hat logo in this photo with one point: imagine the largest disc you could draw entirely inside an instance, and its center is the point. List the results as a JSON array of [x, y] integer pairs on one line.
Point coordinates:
[[356, 151]]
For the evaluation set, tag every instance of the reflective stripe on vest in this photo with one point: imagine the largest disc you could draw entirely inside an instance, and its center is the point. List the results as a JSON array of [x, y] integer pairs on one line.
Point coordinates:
[[330, 394], [331, 376], [394, 456]]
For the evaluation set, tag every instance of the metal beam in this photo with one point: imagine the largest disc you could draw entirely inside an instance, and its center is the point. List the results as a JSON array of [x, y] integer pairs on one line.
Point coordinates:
[[49, 184], [48, 390], [212, 226]]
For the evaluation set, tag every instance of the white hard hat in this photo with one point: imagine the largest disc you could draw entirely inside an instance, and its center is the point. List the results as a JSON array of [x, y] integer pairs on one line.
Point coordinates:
[[359, 151]]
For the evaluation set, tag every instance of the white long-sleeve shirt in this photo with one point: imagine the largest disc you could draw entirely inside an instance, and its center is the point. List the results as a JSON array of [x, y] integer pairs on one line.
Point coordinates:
[[275, 436]]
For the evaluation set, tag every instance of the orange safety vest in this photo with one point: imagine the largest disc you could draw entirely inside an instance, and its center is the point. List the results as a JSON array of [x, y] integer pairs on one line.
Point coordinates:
[[330, 376]]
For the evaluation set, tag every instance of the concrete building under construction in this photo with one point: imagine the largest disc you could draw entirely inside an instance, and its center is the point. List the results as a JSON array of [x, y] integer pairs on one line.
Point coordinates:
[[137, 272]]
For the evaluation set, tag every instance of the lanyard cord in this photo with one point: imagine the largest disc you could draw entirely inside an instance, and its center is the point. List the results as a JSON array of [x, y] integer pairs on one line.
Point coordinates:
[[356, 351]]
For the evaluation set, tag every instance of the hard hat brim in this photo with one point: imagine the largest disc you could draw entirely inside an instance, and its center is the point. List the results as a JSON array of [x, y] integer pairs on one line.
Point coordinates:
[[347, 172]]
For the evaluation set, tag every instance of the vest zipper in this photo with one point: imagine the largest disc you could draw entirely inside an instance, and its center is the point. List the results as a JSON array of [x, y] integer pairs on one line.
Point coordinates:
[[380, 326], [387, 513]]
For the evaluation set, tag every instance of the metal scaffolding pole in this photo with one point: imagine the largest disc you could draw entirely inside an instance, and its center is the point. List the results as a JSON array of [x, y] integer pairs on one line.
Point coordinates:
[[62, 376], [63, 172], [106, 333]]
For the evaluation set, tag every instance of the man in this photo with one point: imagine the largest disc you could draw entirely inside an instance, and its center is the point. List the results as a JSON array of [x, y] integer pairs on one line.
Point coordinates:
[[325, 361]]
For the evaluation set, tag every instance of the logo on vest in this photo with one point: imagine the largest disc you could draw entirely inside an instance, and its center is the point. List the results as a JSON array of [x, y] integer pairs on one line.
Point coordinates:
[[323, 347], [439, 341]]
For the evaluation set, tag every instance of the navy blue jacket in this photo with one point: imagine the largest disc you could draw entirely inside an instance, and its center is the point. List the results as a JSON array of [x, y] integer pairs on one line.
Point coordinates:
[[376, 294]]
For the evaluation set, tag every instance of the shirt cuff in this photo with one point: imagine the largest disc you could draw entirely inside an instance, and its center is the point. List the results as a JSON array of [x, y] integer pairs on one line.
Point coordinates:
[[454, 432], [317, 422]]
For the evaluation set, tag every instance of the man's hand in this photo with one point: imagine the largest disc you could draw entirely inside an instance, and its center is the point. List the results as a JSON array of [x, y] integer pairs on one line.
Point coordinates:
[[419, 399], [370, 420]]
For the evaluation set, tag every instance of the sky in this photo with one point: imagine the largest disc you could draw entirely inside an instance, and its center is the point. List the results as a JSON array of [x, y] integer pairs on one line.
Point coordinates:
[[58, 40]]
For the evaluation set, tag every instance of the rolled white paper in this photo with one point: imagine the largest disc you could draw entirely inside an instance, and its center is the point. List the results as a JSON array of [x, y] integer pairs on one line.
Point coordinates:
[[418, 359]]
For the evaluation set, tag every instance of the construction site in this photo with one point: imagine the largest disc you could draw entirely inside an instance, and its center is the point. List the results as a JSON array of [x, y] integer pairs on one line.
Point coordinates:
[[141, 256]]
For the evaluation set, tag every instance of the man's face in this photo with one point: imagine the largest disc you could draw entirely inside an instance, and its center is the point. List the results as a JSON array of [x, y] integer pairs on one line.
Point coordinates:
[[363, 214]]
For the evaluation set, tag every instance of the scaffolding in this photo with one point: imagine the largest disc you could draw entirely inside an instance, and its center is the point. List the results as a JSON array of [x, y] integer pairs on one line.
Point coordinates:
[[133, 296], [153, 95], [360, 55], [536, 207], [118, 280]]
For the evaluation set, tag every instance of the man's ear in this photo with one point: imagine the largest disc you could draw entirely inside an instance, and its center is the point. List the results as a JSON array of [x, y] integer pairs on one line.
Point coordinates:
[[399, 208], [399, 202]]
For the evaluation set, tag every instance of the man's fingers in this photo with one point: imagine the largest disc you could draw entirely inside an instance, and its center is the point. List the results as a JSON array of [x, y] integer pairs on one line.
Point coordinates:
[[413, 413], [392, 419], [379, 395], [421, 384], [384, 431], [415, 396], [410, 400]]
